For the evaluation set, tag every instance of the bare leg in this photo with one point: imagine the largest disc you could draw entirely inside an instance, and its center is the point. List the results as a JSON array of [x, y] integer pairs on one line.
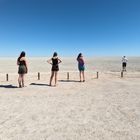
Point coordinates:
[[80, 76], [122, 67], [55, 78], [83, 76], [22, 80], [125, 68], [19, 80], [51, 78]]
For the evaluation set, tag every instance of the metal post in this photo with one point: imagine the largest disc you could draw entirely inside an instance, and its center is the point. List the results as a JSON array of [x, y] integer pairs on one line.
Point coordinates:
[[68, 76], [121, 74], [97, 74], [7, 77], [38, 76]]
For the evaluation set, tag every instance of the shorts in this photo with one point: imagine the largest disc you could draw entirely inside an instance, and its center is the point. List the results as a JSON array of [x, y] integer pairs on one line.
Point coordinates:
[[81, 68], [124, 64], [55, 68], [22, 69]]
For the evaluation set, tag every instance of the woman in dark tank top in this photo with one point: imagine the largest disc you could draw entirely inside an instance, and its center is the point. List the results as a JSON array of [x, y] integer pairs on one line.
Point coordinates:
[[54, 61], [22, 62], [22, 69], [55, 66]]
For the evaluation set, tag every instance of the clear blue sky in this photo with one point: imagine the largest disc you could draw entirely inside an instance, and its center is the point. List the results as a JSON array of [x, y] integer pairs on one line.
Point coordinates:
[[93, 27]]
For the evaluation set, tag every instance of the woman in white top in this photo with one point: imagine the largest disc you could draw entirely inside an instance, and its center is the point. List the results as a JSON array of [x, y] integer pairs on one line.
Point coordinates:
[[124, 63]]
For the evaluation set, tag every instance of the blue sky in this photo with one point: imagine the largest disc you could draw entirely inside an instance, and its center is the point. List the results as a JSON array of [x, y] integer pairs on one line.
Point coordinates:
[[93, 27]]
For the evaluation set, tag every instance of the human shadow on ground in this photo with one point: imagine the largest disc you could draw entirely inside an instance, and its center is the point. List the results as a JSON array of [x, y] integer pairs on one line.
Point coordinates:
[[8, 86], [69, 81], [38, 84]]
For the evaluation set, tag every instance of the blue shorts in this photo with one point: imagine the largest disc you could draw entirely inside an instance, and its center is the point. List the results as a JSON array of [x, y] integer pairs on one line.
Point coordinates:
[[81, 68]]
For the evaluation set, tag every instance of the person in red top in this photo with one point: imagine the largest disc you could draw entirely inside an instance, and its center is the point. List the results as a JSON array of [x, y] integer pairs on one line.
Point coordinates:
[[81, 67]]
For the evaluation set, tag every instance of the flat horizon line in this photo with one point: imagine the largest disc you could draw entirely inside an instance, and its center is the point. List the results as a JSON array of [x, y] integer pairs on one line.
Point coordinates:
[[106, 56]]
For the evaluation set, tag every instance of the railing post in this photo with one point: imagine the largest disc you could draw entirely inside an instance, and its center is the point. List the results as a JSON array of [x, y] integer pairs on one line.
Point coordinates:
[[38, 76], [7, 77], [68, 76], [121, 74], [97, 74]]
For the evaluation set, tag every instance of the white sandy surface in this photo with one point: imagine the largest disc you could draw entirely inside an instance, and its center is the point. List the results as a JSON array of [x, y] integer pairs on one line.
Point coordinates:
[[107, 108]]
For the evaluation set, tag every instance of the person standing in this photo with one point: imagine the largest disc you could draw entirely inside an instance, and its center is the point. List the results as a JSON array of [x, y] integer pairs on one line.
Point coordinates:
[[124, 63], [22, 69], [81, 67], [54, 61]]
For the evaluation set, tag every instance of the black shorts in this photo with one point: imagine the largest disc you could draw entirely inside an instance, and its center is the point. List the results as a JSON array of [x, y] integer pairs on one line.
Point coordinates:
[[55, 68], [22, 69], [124, 64]]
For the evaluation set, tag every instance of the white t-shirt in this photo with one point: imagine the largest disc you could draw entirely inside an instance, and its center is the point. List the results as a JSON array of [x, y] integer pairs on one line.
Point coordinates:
[[124, 60]]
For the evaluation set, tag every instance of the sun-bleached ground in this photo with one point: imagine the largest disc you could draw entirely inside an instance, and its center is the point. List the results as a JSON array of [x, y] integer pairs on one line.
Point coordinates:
[[107, 108]]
